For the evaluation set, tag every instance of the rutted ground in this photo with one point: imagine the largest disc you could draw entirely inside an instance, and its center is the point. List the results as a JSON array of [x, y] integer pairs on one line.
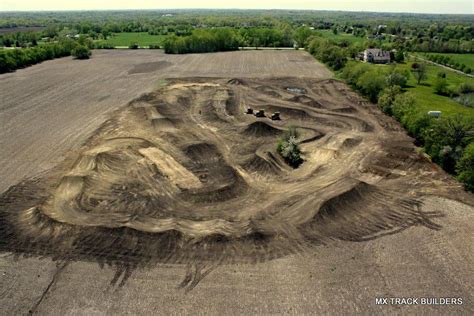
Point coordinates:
[[48, 109], [188, 166], [182, 175]]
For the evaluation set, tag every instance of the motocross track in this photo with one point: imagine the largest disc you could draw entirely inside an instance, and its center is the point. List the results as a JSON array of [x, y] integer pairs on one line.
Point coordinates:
[[182, 178], [184, 169]]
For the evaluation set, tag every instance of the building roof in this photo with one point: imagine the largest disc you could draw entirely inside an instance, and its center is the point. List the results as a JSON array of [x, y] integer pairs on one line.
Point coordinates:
[[377, 53]]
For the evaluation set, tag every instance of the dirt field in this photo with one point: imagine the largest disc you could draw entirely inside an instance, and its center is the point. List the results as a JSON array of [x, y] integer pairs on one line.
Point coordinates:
[[179, 202], [62, 101]]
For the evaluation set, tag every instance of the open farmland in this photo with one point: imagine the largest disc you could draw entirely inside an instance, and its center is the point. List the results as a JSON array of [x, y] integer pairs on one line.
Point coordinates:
[[162, 195]]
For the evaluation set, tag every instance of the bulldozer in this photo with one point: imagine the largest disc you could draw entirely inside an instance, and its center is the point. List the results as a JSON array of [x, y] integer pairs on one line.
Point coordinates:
[[275, 116], [260, 113]]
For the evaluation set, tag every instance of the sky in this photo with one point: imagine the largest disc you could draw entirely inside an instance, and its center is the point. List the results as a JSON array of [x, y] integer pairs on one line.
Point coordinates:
[[412, 6]]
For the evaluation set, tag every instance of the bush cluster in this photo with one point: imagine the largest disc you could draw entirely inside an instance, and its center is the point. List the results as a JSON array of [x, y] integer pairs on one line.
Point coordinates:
[[202, 41], [327, 52], [12, 59], [289, 149], [448, 140], [81, 52]]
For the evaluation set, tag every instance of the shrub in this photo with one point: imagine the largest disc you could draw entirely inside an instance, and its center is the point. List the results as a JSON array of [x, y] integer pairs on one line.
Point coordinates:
[[289, 149], [403, 105], [100, 45], [133, 46], [466, 99], [465, 168], [466, 87], [154, 46], [353, 71], [445, 141], [440, 86], [81, 52], [399, 56], [328, 53], [387, 97], [371, 83], [396, 78]]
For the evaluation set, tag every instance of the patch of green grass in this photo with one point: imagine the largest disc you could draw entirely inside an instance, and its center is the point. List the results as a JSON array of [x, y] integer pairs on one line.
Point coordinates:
[[466, 59], [426, 98], [161, 83], [141, 38], [340, 36]]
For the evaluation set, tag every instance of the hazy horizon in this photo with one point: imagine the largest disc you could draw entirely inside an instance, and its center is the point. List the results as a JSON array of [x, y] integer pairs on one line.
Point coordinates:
[[400, 6]]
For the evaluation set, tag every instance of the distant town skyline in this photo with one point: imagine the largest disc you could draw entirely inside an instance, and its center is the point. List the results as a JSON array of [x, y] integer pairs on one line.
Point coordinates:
[[408, 6]]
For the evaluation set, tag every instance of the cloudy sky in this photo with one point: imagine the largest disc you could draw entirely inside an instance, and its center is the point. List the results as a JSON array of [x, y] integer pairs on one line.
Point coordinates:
[[418, 6]]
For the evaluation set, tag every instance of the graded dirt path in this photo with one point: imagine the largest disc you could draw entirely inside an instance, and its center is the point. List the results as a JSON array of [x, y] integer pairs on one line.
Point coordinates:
[[179, 203]]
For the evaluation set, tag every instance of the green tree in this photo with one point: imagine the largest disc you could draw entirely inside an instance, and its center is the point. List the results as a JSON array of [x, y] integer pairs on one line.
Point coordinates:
[[371, 83], [465, 168], [440, 86], [445, 141], [399, 56], [403, 104], [302, 35], [420, 72], [387, 97], [397, 78], [81, 52], [289, 149]]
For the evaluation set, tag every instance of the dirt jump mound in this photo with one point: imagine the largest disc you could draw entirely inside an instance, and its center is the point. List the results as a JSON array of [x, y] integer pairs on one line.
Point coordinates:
[[184, 174]]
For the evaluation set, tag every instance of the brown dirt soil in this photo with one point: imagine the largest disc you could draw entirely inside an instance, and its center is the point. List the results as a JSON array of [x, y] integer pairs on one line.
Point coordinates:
[[183, 169], [63, 101]]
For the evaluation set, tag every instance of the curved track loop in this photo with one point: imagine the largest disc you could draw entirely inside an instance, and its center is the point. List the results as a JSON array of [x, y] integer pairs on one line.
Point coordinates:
[[183, 175]]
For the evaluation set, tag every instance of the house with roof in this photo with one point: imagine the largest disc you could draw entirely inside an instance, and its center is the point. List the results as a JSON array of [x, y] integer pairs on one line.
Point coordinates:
[[376, 56]]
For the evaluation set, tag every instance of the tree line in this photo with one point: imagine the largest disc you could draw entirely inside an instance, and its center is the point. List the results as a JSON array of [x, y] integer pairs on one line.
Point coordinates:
[[202, 41], [449, 141], [226, 39], [448, 61], [12, 59]]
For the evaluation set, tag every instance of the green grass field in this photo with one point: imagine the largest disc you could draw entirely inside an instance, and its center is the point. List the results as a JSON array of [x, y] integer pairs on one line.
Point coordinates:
[[427, 99], [143, 39], [466, 59], [340, 36]]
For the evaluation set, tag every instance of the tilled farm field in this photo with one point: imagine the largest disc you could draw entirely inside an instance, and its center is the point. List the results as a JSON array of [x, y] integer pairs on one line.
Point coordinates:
[[183, 177]]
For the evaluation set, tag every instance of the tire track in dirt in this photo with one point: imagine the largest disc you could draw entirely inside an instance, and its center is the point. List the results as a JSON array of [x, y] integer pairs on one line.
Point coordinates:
[[182, 175]]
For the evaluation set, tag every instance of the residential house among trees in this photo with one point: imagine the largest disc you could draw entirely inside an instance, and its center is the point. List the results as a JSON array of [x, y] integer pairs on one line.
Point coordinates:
[[376, 56]]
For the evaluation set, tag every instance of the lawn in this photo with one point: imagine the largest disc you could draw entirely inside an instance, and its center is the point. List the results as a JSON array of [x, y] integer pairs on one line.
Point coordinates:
[[340, 36], [466, 59], [427, 99], [142, 38]]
